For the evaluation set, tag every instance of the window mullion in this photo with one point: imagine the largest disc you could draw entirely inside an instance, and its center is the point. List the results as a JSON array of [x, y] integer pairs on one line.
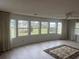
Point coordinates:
[[40, 27], [56, 26], [16, 28], [48, 27], [29, 28]]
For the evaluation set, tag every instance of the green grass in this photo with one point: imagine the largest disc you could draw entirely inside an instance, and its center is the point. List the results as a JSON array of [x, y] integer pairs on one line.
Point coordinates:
[[36, 31], [44, 31], [25, 32]]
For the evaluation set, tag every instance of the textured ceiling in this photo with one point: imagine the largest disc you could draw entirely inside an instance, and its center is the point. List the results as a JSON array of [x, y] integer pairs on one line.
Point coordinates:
[[44, 8]]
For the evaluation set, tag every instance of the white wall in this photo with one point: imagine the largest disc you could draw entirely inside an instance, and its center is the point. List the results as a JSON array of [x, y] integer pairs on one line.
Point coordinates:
[[31, 39]]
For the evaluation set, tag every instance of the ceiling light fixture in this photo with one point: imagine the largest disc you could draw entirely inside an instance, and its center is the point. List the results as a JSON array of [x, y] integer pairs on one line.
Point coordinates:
[[35, 13]]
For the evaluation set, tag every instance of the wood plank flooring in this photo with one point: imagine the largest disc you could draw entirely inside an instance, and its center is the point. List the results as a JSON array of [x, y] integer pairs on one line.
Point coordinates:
[[35, 51]]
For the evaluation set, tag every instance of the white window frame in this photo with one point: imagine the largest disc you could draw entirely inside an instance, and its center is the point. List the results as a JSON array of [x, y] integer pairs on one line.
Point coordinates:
[[47, 28], [40, 27], [35, 28], [22, 28], [57, 28], [75, 29]]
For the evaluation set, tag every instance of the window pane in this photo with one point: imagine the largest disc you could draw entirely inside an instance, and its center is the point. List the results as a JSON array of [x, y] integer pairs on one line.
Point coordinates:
[[12, 28], [22, 24], [44, 27], [23, 28], [52, 27], [59, 29], [77, 28], [77, 31], [34, 27], [77, 25]]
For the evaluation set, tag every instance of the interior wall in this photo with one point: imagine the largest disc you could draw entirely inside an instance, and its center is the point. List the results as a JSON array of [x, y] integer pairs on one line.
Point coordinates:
[[71, 29], [67, 31], [64, 29], [32, 39], [6, 42], [37, 38]]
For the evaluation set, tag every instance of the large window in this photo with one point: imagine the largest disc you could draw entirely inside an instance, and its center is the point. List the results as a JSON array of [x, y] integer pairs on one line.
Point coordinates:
[[12, 28], [52, 28], [77, 28], [44, 27], [35, 27], [59, 28], [23, 28]]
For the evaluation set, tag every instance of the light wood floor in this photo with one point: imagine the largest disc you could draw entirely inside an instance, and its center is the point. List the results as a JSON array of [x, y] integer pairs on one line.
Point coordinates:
[[35, 51]]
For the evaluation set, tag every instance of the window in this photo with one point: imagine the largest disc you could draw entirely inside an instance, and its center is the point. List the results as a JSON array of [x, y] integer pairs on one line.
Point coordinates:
[[44, 27], [52, 28], [59, 28], [12, 28], [34, 27], [23, 28], [77, 28]]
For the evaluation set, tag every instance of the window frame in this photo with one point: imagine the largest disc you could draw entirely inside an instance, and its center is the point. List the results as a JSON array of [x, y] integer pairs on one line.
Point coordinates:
[[45, 28], [61, 28], [55, 27], [75, 29], [34, 28], [14, 28], [39, 27], [22, 28]]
